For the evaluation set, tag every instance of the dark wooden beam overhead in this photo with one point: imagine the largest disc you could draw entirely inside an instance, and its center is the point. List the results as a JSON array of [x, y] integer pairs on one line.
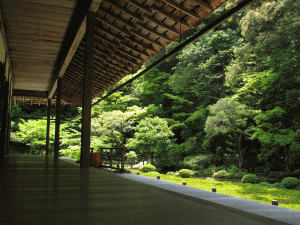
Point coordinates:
[[87, 91], [140, 6], [169, 28], [170, 16], [153, 31], [134, 15], [114, 26], [146, 37], [204, 4], [72, 39], [28, 93], [47, 43], [181, 8], [48, 127], [57, 120]]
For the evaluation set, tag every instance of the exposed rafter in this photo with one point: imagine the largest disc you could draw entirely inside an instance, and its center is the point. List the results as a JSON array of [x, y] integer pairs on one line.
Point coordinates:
[[126, 34], [170, 16]]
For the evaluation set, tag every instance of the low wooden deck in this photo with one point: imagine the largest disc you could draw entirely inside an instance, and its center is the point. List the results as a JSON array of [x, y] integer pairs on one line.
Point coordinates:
[[35, 190]]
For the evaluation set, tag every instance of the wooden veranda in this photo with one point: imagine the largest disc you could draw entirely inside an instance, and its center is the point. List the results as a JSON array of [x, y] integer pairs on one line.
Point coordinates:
[[72, 51], [35, 191], [56, 52]]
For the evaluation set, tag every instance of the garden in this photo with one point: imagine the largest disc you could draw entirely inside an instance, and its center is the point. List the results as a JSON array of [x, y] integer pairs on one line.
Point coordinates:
[[233, 183]]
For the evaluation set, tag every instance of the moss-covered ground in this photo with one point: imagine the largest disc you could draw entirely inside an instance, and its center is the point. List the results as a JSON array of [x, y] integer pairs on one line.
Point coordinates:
[[287, 198]]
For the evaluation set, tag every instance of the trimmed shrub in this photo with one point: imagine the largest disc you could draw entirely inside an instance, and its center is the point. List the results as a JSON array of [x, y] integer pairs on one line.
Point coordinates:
[[147, 168], [220, 174], [170, 173], [249, 178], [233, 169], [278, 185], [265, 184], [186, 173], [290, 182], [154, 172]]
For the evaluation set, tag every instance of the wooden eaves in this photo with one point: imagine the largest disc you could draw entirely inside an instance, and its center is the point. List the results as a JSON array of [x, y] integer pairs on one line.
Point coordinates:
[[127, 33]]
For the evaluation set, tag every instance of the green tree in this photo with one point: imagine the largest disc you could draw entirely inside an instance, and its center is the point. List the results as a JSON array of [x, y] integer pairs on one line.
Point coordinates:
[[271, 32], [33, 133], [152, 136], [116, 126], [200, 73], [228, 116], [131, 156], [275, 138]]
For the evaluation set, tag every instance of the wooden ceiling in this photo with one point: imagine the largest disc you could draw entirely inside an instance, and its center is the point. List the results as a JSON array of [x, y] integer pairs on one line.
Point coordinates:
[[127, 33], [35, 30]]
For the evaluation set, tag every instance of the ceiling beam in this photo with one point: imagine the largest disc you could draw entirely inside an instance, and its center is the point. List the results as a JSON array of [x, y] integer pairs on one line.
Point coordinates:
[[3, 34], [80, 33], [171, 29], [195, 37], [180, 8], [28, 93], [140, 6], [204, 4], [170, 16], [138, 17]]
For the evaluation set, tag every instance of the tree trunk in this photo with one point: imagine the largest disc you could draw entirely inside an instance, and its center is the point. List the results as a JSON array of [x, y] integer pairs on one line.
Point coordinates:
[[152, 154], [240, 162], [287, 168], [31, 149], [131, 164], [240, 152]]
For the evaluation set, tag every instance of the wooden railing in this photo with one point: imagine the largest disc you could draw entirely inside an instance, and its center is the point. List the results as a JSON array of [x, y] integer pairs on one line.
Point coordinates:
[[110, 158]]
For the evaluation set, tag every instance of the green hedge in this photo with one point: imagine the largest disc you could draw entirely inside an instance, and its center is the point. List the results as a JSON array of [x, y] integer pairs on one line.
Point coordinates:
[[186, 173], [221, 174], [290, 182], [249, 178], [147, 168]]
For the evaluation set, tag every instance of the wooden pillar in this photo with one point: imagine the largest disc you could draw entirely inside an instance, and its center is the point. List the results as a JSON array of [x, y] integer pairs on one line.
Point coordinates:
[[110, 157], [101, 157], [57, 119], [87, 91], [8, 133], [123, 160], [48, 127], [4, 117]]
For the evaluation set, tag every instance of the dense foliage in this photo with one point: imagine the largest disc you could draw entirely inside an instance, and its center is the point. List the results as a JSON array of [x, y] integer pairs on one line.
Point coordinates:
[[230, 98]]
